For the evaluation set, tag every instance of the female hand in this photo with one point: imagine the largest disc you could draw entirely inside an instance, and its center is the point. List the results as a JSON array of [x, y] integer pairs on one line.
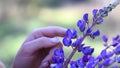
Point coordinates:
[[38, 48]]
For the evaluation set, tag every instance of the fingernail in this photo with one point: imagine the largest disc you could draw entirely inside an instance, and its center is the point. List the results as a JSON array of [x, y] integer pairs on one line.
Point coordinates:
[[52, 65], [56, 40], [44, 65]]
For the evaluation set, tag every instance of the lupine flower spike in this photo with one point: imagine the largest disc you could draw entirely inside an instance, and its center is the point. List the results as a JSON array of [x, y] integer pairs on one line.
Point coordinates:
[[105, 59]]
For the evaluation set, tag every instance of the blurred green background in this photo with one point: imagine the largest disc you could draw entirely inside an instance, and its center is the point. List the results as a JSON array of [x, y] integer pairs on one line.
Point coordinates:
[[19, 17]]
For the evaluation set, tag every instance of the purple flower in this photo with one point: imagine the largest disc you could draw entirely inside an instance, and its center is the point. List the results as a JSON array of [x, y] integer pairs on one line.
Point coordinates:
[[101, 11], [105, 38], [91, 59], [89, 30], [99, 20], [108, 62], [58, 56], [87, 50], [104, 54], [116, 38], [105, 13], [59, 52], [85, 58], [74, 33], [59, 66], [77, 42], [105, 44], [96, 33], [115, 43], [118, 59], [57, 59], [92, 62], [81, 64], [71, 33], [80, 47], [56, 66], [73, 64], [99, 58], [109, 8], [110, 53], [89, 65], [101, 65], [95, 13], [117, 50], [95, 63], [67, 41], [82, 25], [85, 17]]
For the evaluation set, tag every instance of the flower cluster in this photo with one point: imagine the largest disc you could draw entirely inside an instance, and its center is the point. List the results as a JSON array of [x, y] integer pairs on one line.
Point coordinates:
[[58, 58], [105, 59]]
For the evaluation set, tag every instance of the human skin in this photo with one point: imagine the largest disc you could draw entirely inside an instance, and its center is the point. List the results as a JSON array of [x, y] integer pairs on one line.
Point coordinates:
[[38, 48]]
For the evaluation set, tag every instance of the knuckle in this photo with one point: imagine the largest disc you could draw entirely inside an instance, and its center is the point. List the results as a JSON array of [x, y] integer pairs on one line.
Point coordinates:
[[47, 41]]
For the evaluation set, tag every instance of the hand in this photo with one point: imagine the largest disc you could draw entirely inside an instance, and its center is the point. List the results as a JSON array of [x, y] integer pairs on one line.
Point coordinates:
[[38, 48]]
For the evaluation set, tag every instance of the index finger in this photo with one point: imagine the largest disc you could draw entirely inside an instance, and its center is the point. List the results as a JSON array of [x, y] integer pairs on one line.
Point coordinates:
[[51, 31]]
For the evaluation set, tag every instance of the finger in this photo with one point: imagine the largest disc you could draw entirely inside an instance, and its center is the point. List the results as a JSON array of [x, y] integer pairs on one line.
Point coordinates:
[[47, 32], [48, 59], [40, 43], [44, 65]]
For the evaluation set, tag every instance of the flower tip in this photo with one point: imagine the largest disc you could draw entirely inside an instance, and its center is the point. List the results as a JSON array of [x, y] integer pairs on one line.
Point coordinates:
[[105, 38], [116, 2], [85, 17], [96, 33], [95, 11]]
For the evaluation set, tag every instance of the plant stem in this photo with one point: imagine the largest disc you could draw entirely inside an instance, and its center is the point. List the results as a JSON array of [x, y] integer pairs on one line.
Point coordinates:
[[69, 58], [65, 65], [72, 53]]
